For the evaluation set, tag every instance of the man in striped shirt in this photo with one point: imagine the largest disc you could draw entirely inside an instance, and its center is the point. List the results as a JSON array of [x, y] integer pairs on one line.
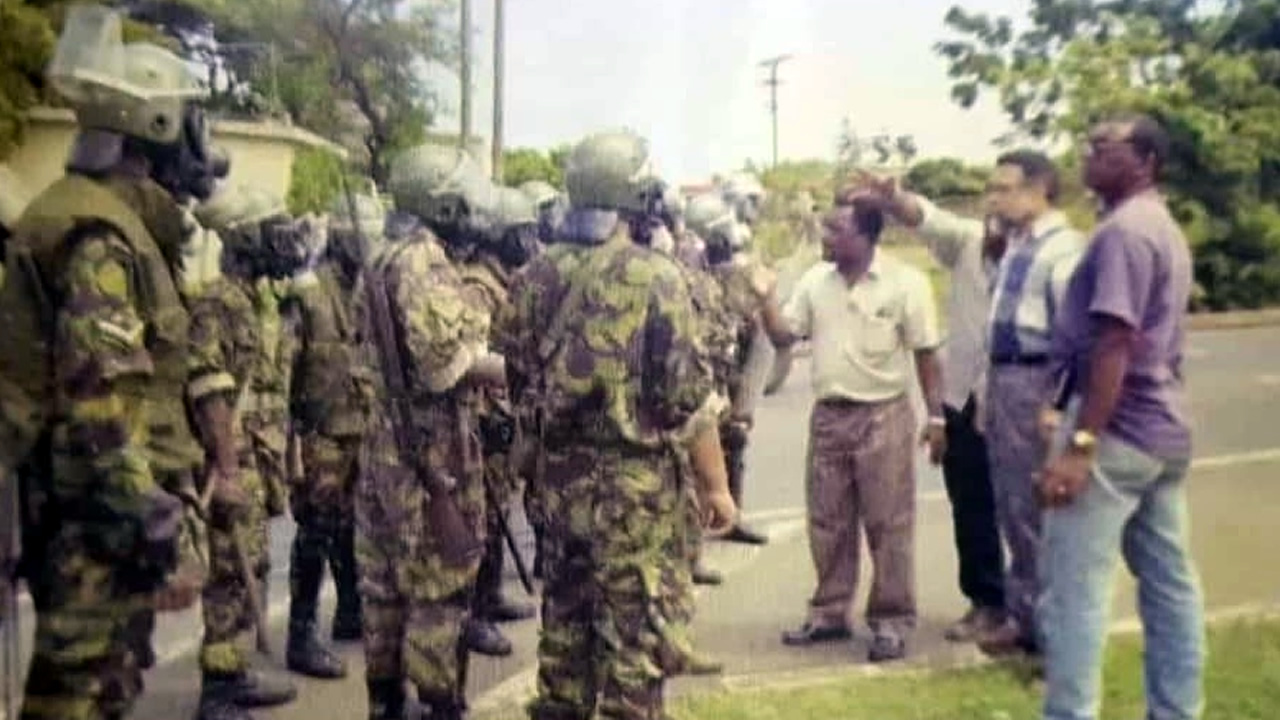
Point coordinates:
[[1025, 292]]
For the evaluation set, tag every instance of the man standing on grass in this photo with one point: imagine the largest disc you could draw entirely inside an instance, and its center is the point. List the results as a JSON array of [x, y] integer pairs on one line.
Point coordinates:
[[1123, 445]]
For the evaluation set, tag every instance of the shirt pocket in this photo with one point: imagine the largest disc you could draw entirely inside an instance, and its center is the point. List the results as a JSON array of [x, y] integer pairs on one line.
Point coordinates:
[[874, 338]]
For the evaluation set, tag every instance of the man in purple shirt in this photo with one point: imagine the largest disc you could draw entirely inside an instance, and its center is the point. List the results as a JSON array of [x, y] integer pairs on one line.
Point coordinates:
[[1115, 476]]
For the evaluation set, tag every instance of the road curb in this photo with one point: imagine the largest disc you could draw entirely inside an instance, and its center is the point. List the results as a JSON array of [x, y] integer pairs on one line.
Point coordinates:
[[1234, 320], [968, 659]]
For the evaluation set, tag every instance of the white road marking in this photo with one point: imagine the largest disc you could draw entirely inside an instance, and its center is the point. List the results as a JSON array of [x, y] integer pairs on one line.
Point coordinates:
[[1269, 380]]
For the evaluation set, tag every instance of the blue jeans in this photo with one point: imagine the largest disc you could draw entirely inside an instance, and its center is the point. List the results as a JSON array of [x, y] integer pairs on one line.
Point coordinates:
[[1135, 503]]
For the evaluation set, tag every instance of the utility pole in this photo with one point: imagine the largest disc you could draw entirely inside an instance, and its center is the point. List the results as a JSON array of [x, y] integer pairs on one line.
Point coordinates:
[[773, 82], [499, 35], [464, 78]]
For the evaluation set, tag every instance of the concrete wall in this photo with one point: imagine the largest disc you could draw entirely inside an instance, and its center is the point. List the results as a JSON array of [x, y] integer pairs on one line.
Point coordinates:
[[261, 152]]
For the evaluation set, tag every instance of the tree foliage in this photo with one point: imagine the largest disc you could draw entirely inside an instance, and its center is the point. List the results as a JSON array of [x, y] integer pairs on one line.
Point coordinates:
[[520, 165], [1210, 72], [26, 46], [946, 178]]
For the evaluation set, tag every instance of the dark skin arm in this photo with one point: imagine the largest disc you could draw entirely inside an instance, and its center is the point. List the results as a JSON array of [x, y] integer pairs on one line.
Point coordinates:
[[929, 373], [1066, 476]]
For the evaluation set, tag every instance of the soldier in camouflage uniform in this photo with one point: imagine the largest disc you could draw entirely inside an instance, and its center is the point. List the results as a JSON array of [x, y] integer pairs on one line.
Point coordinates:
[[486, 275], [414, 604], [550, 205], [259, 243], [714, 221], [331, 400], [602, 340], [108, 540]]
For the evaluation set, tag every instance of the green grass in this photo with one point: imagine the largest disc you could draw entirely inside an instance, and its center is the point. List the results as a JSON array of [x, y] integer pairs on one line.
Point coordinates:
[[1242, 683]]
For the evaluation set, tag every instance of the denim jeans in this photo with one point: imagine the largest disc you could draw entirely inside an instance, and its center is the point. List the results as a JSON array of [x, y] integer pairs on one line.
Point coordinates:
[[1135, 503]]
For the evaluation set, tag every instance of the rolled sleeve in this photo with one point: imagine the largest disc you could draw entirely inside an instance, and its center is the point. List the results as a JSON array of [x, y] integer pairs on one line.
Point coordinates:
[[920, 312]]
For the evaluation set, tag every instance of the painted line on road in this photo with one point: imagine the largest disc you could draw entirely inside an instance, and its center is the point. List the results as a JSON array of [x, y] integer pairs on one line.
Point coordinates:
[[1232, 459], [522, 686]]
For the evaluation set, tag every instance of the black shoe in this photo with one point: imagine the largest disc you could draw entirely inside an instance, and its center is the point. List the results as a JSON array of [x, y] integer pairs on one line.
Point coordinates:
[[214, 707], [250, 689], [306, 656], [503, 610], [442, 708], [386, 699], [706, 576], [810, 634], [746, 536], [886, 648], [346, 628], [484, 638]]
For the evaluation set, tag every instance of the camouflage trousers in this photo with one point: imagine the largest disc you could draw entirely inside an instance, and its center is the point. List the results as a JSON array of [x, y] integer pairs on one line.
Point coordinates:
[[504, 484], [611, 631], [225, 602], [93, 631], [268, 439], [413, 606], [323, 505]]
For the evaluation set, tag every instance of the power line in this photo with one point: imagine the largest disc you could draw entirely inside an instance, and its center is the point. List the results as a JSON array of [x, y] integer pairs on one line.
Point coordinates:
[[772, 83]]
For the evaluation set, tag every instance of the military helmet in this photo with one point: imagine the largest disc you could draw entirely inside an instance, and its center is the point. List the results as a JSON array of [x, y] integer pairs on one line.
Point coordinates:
[[429, 181], [14, 197], [745, 195], [371, 216], [515, 207], [138, 89], [539, 192], [613, 171], [708, 214]]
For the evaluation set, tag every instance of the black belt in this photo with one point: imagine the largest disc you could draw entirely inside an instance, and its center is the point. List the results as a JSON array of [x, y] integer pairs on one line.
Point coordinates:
[[1028, 360]]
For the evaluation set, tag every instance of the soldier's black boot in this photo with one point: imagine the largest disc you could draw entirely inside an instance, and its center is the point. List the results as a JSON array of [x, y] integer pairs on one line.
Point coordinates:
[[342, 563], [246, 689], [490, 604], [482, 636], [703, 575], [386, 699], [306, 656], [735, 464]]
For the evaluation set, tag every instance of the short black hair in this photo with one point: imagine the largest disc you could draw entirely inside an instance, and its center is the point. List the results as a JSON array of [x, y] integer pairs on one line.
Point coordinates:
[[1149, 138], [868, 218], [1035, 167]]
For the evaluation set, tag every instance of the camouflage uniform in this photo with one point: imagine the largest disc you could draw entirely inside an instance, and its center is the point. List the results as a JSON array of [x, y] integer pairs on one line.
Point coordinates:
[[222, 315], [612, 419], [331, 400], [121, 440], [486, 283], [414, 606]]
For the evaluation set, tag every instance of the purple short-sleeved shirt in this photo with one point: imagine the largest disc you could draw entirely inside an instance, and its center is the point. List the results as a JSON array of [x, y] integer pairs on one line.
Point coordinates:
[[1136, 269]]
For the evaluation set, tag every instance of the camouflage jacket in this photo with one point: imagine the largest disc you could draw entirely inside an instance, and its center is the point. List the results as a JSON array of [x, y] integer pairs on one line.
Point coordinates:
[[274, 305], [441, 334], [719, 342], [331, 390], [741, 312], [226, 332], [605, 341]]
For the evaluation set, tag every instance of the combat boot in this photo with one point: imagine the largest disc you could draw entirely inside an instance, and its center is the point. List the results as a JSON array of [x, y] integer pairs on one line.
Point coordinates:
[[502, 610], [442, 708], [703, 575], [306, 656], [215, 707], [248, 689], [386, 699], [482, 636], [347, 626]]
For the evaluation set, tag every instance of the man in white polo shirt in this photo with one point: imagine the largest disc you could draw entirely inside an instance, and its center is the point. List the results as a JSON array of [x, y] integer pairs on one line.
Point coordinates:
[[866, 313]]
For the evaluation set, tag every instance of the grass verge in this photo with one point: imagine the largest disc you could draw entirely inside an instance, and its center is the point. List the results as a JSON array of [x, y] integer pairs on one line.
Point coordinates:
[[1242, 683]]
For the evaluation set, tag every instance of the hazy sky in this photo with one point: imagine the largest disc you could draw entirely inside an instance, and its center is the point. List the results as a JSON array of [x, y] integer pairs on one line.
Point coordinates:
[[684, 73]]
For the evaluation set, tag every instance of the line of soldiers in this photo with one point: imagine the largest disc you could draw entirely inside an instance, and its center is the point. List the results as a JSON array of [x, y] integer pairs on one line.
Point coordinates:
[[186, 361]]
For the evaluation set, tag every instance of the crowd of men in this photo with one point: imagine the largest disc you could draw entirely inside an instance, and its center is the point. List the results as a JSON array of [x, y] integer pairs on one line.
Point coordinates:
[[186, 360]]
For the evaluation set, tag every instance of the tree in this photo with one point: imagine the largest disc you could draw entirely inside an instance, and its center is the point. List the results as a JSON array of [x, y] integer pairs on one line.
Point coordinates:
[[349, 69], [906, 148], [26, 46], [520, 165], [1209, 72], [943, 179], [883, 147], [849, 148]]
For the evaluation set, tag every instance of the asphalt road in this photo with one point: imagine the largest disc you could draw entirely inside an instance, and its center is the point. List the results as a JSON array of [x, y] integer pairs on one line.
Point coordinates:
[[1235, 381]]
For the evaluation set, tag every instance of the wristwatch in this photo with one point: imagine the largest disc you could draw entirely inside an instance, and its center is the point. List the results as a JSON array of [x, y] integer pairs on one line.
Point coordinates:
[[1083, 441]]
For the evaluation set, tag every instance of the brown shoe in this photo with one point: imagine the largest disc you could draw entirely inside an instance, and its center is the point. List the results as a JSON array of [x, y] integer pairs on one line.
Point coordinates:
[[1007, 638], [978, 621]]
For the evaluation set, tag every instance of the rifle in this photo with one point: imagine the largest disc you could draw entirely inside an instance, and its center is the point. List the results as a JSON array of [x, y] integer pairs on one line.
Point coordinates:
[[501, 514], [459, 546], [10, 552]]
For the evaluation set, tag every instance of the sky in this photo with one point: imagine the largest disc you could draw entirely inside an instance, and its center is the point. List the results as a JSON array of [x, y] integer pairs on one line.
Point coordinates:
[[684, 73]]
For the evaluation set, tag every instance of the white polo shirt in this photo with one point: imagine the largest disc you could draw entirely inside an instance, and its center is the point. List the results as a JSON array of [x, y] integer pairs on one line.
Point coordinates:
[[863, 334]]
